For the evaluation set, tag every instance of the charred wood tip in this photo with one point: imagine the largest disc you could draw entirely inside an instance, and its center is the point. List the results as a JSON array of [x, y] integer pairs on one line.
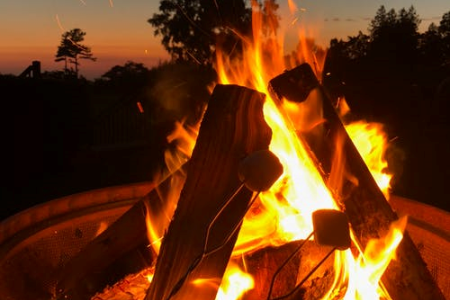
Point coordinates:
[[294, 85]]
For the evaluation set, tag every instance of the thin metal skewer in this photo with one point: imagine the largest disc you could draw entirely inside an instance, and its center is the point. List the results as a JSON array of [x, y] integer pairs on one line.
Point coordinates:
[[205, 251], [285, 262], [331, 229], [251, 173], [297, 287]]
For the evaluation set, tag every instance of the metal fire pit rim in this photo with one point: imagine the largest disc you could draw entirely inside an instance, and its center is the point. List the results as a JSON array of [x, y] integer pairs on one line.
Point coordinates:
[[18, 227], [422, 215]]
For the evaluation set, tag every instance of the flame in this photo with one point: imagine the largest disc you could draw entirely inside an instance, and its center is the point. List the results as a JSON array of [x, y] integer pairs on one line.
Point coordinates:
[[368, 269], [285, 210], [283, 213], [183, 137], [371, 142], [236, 282], [101, 227]]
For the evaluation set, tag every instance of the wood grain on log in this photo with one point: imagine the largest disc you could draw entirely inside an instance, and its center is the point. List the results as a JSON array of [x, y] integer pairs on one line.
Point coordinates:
[[232, 128], [369, 213]]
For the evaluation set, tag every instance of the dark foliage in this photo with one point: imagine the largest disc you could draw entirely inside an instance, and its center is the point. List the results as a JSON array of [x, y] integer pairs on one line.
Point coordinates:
[[397, 76], [193, 30]]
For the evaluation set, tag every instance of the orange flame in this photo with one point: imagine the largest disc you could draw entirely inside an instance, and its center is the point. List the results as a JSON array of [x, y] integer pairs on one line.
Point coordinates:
[[371, 142], [366, 273], [283, 213], [285, 210], [184, 138]]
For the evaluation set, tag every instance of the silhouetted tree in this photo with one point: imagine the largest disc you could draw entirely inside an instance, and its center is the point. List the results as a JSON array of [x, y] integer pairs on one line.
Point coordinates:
[[71, 50], [129, 72], [54, 74], [444, 31], [192, 29], [394, 37], [431, 47]]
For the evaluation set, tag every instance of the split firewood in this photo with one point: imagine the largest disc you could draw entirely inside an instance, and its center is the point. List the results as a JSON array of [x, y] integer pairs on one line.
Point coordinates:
[[201, 236], [122, 249], [369, 213]]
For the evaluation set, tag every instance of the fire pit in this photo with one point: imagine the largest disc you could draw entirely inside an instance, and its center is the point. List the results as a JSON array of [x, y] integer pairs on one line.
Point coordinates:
[[36, 243]]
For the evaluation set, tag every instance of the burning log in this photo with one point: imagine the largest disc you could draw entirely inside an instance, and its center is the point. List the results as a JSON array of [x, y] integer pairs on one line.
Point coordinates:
[[205, 218], [369, 213], [120, 250], [264, 264]]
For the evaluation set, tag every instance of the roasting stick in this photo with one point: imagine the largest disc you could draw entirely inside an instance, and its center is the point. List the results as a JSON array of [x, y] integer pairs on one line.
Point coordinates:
[[330, 229], [258, 172]]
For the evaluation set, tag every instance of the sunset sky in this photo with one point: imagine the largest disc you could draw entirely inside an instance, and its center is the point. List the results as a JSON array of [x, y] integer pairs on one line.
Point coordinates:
[[118, 31]]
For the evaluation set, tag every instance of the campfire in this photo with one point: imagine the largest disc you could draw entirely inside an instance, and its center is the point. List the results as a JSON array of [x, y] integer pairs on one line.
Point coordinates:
[[244, 217], [272, 196]]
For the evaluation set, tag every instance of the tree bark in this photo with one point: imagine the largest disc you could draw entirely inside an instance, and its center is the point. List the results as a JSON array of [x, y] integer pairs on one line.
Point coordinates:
[[232, 128], [369, 213]]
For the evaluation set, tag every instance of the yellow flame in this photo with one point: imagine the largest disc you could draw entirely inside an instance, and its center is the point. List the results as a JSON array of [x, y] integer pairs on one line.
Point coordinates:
[[285, 210], [371, 142], [235, 283], [284, 218], [283, 213], [157, 220], [368, 269]]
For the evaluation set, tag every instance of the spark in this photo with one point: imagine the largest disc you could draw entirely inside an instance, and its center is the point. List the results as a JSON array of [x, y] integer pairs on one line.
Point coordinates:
[[292, 6], [139, 105], [193, 57], [59, 23]]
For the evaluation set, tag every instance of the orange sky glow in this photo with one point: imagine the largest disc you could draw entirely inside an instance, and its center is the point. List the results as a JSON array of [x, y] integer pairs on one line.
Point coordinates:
[[118, 31]]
